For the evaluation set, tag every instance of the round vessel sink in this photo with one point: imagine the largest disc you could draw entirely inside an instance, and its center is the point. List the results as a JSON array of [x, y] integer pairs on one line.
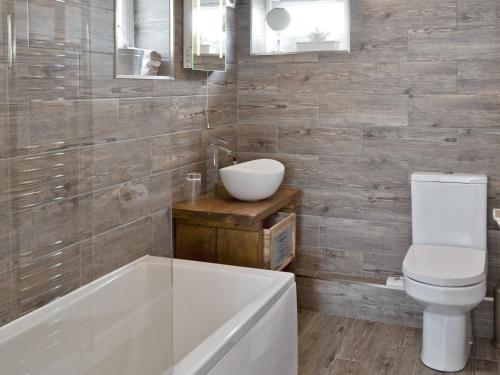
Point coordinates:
[[253, 180]]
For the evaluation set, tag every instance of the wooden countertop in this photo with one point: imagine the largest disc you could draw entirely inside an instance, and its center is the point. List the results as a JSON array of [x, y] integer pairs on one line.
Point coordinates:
[[220, 207]]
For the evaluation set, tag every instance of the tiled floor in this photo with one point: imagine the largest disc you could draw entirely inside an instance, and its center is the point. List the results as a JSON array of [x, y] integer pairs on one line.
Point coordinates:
[[332, 345]]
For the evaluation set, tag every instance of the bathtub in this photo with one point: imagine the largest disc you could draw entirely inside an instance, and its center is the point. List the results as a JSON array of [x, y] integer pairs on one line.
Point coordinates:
[[223, 321]]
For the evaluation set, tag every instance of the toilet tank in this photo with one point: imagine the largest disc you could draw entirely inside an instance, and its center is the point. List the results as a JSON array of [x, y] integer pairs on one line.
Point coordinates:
[[449, 209]]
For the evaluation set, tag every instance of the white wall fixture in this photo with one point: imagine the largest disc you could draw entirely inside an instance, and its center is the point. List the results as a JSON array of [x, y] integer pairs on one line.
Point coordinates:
[[205, 34], [445, 268], [295, 26]]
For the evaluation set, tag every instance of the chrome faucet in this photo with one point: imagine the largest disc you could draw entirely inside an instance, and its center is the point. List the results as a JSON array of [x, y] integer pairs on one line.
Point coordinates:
[[218, 144]]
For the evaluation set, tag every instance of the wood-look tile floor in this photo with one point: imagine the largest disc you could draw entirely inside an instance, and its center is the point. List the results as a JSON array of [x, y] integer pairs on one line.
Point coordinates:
[[332, 345]]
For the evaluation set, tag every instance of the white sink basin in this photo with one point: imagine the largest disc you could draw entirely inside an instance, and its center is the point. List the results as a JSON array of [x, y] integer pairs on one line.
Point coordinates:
[[253, 180]]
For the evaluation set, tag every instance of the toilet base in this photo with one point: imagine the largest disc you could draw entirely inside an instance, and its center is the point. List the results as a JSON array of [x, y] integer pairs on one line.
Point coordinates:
[[447, 340]]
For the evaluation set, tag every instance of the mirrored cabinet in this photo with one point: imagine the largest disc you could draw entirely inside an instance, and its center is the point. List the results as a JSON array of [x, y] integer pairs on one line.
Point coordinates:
[[295, 26], [205, 35], [144, 39]]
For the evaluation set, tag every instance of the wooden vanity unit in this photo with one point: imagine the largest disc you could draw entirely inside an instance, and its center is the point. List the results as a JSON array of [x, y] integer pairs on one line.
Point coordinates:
[[221, 229]]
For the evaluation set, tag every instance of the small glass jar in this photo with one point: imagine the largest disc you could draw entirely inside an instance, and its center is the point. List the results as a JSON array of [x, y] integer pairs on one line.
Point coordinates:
[[193, 187]]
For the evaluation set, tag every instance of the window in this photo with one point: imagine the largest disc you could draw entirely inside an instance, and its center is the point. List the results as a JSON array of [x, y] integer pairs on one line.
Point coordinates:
[[313, 25]]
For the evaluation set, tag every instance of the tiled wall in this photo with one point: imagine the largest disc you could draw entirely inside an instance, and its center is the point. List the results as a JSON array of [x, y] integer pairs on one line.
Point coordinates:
[[420, 90], [89, 164]]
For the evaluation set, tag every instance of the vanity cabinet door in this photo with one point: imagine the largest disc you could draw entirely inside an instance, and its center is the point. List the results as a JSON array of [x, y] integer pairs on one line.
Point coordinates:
[[239, 248], [195, 242]]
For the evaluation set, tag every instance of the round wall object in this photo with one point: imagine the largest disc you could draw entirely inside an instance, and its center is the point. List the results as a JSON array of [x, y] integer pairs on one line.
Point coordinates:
[[278, 19]]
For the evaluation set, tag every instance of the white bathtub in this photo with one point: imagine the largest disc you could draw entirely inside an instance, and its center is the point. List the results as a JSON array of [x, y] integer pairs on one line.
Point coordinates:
[[226, 321]]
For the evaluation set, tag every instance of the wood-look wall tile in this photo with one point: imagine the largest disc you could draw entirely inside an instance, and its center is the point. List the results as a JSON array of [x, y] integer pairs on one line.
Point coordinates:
[[478, 44], [60, 124], [361, 172], [455, 111], [195, 84], [363, 110], [4, 77], [253, 107], [219, 83], [257, 77], [419, 78], [18, 9], [366, 236], [43, 277], [14, 132], [8, 305], [105, 209], [324, 261], [222, 111], [114, 163], [364, 204], [6, 260], [187, 148], [97, 79], [44, 74], [62, 223], [477, 77], [474, 13], [479, 144], [189, 112], [382, 265], [140, 117], [371, 42], [485, 311], [410, 143], [326, 297], [162, 233], [5, 193], [43, 178], [319, 140], [161, 153], [412, 14], [143, 197], [342, 78], [130, 201], [308, 230], [122, 245], [70, 25], [255, 137], [494, 247]]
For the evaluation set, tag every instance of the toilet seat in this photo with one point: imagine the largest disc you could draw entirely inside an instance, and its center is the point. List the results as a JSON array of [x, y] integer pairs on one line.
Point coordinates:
[[445, 266]]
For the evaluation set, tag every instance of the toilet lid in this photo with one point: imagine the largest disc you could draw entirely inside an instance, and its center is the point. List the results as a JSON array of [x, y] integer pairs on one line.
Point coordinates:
[[445, 265]]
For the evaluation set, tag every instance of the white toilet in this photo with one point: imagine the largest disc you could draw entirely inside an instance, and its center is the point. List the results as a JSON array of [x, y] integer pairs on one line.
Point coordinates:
[[445, 267]]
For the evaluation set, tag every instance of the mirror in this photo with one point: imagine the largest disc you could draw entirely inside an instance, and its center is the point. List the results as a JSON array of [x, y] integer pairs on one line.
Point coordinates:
[[205, 35], [143, 39], [297, 26]]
